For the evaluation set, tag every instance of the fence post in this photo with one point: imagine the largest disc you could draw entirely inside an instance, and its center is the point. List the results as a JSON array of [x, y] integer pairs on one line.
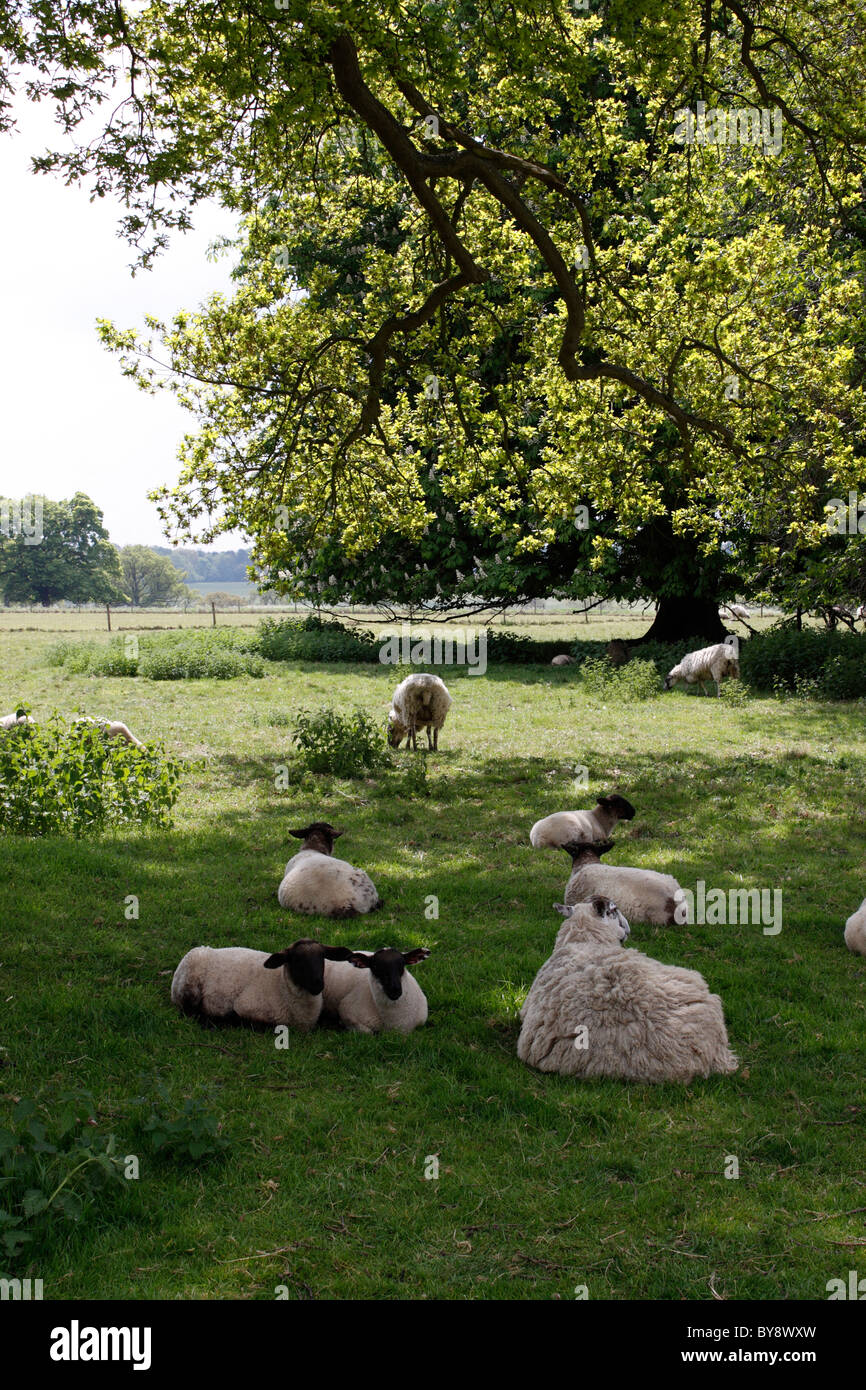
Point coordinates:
[[108, 615], [213, 612]]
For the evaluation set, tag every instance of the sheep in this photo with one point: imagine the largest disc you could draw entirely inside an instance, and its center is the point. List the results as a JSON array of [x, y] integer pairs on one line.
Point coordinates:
[[229, 984], [710, 663], [562, 660], [563, 826], [10, 721], [644, 895], [420, 701], [113, 728], [595, 1009], [855, 930], [736, 610], [315, 882], [385, 998]]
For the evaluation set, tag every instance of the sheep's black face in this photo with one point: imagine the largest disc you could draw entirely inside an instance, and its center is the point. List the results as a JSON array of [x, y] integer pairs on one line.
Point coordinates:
[[387, 966], [668, 682], [617, 803], [306, 965]]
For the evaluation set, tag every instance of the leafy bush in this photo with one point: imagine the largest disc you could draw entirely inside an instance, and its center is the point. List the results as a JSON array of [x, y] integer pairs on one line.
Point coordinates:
[[94, 658], [314, 639], [193, 1134], [218, 653], [638, 680], [347, 745], [809, 663], [517, 649], [197, 660], [52, 1168], [58, 778]]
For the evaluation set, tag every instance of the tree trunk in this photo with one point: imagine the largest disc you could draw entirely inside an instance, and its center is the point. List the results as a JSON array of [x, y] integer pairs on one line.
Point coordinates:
[[678, 618]]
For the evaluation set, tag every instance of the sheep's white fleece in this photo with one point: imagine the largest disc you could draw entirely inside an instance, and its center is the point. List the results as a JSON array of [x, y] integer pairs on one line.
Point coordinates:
[[113, 727], [578, 827], [643, 895], [736, 610], [319, 883], [644, 1021], [420, 701], [232, 979], [709, 663], [362, 1005], [855, 930], [10, 720]]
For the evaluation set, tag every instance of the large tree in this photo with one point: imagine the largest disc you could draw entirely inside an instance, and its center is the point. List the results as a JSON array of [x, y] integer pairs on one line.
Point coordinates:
[[508, 244], [68, 557], [150, 579]]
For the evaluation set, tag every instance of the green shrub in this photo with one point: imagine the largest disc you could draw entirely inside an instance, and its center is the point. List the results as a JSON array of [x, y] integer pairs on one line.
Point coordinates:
[[190, 1135], [57, 778], [196, 654], [638, 680], [94, 658], [52, 1168], [314, 639], [807, 663], [347, 745]]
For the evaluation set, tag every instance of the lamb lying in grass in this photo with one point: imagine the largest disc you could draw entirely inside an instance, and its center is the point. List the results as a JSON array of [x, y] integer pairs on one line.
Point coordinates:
[[710, 663], [374, 992], [644, 895], [595, 1009], [421, 701], [855, 930], [566, 826], [315, 883], [233, 984], [9, 721], [113, 727]]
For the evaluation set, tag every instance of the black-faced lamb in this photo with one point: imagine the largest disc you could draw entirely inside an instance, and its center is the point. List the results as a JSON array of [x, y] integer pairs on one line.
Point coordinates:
[[233, 984], [374, 992], [9, 721], [421, 701], [710, 663], [564, 827], [855, 930], [316, 883], [595, 1009], [644, 895]]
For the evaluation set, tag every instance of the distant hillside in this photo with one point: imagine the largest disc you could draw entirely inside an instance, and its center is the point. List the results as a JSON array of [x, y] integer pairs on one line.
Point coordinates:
[[207, 566]]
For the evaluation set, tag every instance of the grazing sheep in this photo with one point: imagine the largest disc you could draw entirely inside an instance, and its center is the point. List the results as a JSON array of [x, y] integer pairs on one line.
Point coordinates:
[[710, 663], [564, 827], [10, 721], [315, 882], [562, 661], [231, 984], [420, 701], [112, 727], [595, 1009], [385, 998], [855, 930], [736, 610], [643, 894]]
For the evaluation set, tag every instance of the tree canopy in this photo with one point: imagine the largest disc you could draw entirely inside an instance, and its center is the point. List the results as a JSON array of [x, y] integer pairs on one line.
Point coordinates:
[[150, 579], [498, 263], [69, 557]]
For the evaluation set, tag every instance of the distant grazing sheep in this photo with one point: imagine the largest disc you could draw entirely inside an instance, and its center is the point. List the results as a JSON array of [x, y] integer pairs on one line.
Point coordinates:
[[233, 984], [316, 883], [736, 610], [562, 660], [564, 827], [855, 930], [644, 895], [595, 1009], [710, 663], [375, 993], [421, 701]]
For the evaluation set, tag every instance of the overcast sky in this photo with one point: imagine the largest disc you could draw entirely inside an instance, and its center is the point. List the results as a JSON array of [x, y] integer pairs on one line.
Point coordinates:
[[70, 421]]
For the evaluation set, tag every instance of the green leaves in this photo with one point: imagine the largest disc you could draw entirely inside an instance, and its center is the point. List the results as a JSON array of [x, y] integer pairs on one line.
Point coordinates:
[[346, 745]]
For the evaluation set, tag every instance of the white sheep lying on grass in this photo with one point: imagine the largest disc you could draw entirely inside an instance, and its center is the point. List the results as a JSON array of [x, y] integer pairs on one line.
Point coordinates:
[[233, 984], [421, 701], [855, 930], [374, 992], [113, 727], [644, 895], [316, 883], [566, 826], [9, 721], [595, 1009], [710, 663]]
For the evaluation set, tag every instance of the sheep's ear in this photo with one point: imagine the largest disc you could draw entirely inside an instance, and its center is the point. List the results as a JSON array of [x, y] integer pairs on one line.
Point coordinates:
[[561, 908], [337, 953], [360, 962], [299, 834], [275, 961], [603, 846], [418, 953], [335, 834]]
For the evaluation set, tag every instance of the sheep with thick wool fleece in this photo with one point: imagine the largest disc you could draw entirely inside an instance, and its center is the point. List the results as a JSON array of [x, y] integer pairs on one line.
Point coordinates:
[[709, 663], [374, 992], [316, 883], [595, 1009], [564, 827], [10, 721], [421, 701], [644, 895], [855, 930], [114, 728], [232, 983]]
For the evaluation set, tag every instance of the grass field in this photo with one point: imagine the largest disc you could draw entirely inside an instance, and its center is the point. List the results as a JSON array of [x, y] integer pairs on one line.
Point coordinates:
[[545, 1183]]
